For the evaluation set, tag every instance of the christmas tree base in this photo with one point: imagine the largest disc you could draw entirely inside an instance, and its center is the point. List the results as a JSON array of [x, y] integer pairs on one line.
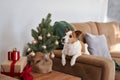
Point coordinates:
[[41, 63]]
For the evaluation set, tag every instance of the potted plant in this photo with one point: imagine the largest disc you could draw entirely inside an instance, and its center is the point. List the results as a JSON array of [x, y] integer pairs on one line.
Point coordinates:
[[42, 45]]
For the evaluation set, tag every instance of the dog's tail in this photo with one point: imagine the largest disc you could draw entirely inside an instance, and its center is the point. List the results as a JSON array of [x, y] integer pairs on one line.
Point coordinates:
[[86, 49]]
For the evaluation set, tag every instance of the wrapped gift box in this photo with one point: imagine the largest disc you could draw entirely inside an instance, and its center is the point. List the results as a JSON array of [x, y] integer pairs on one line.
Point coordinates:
[[14, 55], [18, 66]]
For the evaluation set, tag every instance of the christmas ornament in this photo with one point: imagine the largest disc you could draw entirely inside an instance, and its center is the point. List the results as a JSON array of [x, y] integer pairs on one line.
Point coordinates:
[[44, 47], [40, 37], [48, 35], [56, 42], [32, 54], [46, 56], [28, 49], [34, 41], [52, 55]]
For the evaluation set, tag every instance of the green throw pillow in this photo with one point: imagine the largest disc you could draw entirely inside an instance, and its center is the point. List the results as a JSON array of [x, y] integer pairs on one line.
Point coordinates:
[[60, 30]]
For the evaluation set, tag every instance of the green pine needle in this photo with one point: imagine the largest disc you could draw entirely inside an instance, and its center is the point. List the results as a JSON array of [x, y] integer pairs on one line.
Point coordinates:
[[43, 29]]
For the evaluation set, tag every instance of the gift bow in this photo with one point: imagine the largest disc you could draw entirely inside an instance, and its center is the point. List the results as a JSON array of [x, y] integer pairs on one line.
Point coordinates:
[[25, 75]]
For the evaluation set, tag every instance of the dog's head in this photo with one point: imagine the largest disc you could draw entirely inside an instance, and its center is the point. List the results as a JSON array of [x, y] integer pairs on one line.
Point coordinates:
[[71, 36]]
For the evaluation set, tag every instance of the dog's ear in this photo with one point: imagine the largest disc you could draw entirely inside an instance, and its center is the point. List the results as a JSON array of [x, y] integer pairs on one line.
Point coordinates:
[[67, 29], [78, 32]]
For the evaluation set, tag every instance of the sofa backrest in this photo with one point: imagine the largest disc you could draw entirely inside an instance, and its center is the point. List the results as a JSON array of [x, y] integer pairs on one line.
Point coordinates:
[[110, 30], [89, 27]]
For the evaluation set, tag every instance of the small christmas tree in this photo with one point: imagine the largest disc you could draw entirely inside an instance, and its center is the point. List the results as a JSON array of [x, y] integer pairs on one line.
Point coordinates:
[[44, 40]]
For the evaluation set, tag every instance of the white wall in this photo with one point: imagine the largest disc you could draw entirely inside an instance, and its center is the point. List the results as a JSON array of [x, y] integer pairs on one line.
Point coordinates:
[[18, 17]]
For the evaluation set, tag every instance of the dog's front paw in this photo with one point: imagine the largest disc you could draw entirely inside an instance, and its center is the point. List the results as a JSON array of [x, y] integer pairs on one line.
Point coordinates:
[[63, 62], [72, 63]]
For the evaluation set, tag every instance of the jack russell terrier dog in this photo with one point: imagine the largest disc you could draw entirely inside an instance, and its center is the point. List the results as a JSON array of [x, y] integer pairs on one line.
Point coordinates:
[[72, 46]]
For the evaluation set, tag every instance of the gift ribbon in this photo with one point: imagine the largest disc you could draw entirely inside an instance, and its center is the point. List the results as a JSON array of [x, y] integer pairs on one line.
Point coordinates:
[[12, 66], [25, 75], [15, 55], [12, 75]]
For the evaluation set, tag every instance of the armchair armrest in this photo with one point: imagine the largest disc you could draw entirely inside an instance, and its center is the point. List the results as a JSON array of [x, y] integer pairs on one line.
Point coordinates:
[[87, 67]]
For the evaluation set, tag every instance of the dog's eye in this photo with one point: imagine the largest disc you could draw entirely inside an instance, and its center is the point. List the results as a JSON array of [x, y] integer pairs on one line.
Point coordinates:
[[70, 36]]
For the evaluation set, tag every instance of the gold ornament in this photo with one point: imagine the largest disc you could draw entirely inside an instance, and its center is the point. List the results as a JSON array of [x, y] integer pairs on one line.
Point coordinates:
[[34, 41], [32, 54], [40, 37], [48, 35], [29, 49], [44, 46], [56, 42], [52, 55], [46, 56]]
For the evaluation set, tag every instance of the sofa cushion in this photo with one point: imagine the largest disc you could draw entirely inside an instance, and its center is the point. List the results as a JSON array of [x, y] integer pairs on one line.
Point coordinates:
[[60, 30], [97, 45]]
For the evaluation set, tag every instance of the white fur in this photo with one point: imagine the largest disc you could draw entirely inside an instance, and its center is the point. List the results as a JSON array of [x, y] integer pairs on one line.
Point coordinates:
[[71, 49], [67, 37], [86, 49]]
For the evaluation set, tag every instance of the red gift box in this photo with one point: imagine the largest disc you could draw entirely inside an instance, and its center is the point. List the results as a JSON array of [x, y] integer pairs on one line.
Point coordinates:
[[9, 55], [14, 55]]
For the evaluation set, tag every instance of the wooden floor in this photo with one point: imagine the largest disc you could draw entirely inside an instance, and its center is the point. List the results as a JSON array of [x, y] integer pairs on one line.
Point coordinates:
[[54, 75]]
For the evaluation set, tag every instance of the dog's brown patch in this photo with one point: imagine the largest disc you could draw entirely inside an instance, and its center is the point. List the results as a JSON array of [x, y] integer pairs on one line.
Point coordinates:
[[83, 47], [75, 35], [73, 38], [78, 33]]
